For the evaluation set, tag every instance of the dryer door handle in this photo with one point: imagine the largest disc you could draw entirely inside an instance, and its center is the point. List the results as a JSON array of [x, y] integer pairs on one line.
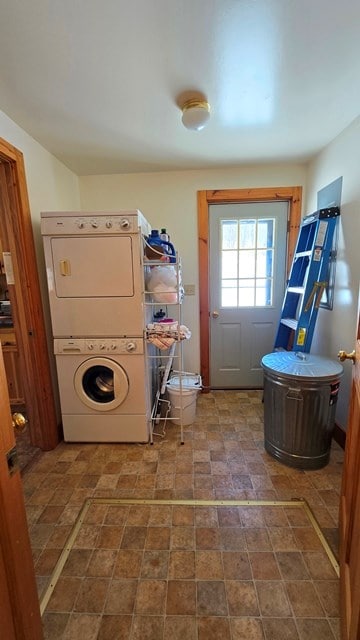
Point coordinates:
[[65, 267]]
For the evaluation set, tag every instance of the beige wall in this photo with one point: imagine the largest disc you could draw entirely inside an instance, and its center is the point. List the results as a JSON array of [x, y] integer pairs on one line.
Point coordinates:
[[50, 183], [51, 186], [169, 199], [336, 329]]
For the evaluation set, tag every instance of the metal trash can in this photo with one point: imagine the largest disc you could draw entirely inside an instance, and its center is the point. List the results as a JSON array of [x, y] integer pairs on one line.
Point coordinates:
[[300, 394]]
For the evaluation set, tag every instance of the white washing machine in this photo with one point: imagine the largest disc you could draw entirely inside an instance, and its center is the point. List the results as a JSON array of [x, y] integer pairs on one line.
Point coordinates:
[[94, 272], [103, 389]]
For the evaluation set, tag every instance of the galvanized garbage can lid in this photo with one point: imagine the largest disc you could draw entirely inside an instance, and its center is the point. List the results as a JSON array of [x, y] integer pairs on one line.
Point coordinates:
[[296, 364]]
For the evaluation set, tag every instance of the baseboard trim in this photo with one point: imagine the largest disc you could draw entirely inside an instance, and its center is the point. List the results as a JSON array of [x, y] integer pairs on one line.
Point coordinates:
[[339, 436]]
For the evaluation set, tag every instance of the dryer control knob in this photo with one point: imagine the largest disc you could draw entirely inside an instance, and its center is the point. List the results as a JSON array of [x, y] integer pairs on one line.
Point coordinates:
[[108, 224], [131, 346], [113, 346], [81, 224], [94, 224], [102, 346], [125, 224], [90, 346]]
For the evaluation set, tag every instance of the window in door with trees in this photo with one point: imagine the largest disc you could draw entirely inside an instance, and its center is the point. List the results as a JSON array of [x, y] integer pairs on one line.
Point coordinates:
[[247, 262]]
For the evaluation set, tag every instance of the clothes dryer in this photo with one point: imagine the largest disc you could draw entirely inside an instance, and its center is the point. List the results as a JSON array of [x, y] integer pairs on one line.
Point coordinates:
[[103, 389], [94, 272]]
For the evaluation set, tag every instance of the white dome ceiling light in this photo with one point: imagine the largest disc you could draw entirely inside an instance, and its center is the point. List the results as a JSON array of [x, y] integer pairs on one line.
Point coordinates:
[[195, 114]]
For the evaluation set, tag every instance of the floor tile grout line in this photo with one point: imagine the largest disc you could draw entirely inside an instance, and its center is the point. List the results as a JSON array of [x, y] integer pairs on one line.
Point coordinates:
[[322, 538], [64, 556], [298, 503]]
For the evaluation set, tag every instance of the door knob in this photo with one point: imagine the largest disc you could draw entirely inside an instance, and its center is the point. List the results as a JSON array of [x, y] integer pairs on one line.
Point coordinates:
[[215, 314], [18, 421], [342, 355]]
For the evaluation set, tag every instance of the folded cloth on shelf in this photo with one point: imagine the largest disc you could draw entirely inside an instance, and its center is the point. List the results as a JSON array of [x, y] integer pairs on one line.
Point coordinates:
[[163, 336], [163, 326], [161, 342]]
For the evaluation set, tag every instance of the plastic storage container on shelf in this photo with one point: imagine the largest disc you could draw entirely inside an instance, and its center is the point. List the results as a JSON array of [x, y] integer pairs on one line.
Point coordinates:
[[158, 249], [183, 389], [300, 394]]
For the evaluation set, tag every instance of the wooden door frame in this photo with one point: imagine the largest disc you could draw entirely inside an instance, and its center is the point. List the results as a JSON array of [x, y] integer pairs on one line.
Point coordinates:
[[206, 198], [16, 227]]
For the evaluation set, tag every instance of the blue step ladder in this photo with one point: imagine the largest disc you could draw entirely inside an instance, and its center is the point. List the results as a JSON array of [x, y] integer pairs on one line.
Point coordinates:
[[308, 278]]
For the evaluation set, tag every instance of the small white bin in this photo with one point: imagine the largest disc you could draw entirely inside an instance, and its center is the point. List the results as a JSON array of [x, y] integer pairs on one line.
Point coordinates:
[[182, 389]]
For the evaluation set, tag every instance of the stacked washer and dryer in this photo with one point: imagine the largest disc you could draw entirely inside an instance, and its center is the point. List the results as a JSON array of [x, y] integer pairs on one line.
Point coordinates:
[[95, 281]]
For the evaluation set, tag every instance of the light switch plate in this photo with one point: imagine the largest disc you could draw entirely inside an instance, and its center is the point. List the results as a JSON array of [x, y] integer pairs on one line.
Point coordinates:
[[189, 289]]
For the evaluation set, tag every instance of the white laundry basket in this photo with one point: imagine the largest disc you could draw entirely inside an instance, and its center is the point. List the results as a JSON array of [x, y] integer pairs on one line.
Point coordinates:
[[182, 389]]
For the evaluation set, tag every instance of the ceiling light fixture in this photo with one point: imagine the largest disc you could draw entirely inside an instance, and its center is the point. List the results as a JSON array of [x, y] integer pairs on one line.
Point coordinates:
[[195, 114]]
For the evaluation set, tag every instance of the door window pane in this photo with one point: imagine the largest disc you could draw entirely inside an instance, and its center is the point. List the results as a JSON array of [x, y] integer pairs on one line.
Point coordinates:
[[247, 293], [229, 293], [265, 233], [229, 267], [263, 294], [264, 263], [229, 234], [247, 234], [247, 262]]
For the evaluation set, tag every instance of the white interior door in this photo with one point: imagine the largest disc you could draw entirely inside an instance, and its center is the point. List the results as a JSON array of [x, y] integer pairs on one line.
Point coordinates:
[[247, 279]]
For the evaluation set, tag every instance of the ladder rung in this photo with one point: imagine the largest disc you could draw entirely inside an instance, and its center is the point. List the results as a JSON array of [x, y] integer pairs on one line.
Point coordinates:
[[289, 322], [296, 289]]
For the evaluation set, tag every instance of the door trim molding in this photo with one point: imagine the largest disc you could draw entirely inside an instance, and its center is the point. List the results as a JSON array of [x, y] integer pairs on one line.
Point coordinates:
[[30, 331], [206, 198]]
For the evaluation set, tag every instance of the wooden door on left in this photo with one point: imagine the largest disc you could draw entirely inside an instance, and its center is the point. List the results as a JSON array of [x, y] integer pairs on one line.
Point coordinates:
[[20, 612]]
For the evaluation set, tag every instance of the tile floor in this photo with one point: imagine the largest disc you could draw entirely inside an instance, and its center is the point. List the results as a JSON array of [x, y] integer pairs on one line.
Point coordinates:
[[157, 572], [26, 451]]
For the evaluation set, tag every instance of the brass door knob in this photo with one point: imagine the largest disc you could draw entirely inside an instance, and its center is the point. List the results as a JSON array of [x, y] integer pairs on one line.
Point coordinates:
[[215, 314], [18, 421], [342, 355]]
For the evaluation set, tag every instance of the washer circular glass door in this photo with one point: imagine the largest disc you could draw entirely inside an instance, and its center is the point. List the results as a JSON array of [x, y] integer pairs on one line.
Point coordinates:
[[101, 384]]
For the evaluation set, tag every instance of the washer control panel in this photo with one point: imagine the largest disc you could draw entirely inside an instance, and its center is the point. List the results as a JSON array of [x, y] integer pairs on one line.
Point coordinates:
[[98, 346]]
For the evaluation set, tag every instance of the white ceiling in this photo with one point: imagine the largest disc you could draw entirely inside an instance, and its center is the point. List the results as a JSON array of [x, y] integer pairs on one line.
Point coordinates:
[[98, 82]]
